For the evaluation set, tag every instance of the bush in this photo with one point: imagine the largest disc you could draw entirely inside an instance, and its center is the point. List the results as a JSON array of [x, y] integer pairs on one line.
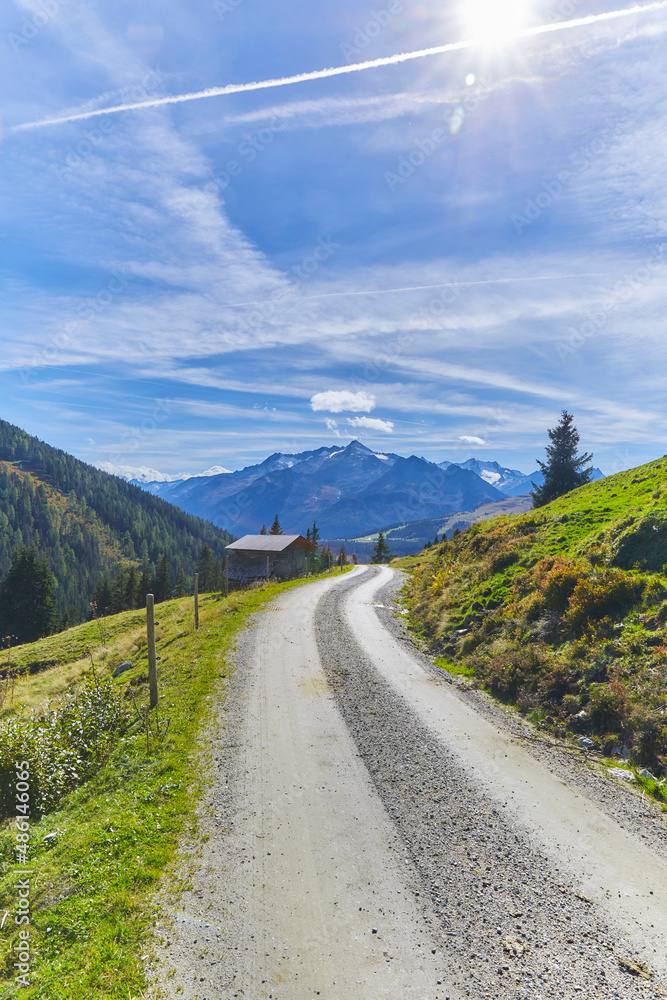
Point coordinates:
[[63, 746], [610, 592], [608, 707], [558, 579], [512, 672]]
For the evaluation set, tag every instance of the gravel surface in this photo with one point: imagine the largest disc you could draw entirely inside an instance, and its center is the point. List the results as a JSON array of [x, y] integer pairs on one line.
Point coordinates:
[[350, 853], [627, 805], [513, 925]]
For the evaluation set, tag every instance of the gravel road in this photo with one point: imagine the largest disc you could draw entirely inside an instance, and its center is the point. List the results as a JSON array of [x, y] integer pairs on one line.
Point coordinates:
[[373, 831]]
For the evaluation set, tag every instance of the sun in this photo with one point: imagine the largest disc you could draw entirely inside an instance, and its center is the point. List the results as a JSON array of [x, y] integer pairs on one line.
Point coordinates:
[[494, 21]]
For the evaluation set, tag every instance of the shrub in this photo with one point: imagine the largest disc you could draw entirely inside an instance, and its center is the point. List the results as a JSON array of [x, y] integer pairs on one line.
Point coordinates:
[[558, 579], [63, 745], [608, 706], [594, 598], [513, 672]]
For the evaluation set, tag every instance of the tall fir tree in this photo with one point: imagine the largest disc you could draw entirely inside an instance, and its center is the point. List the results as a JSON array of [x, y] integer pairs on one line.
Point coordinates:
[[263, 531], [564, 469], [27, 598], [162, 581], [381, 553], [275, 528], [180, 586], [205, 570]]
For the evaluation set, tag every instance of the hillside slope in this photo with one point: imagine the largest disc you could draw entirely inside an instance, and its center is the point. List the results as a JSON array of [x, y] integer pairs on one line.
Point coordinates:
[[563, 611], [87, 523]]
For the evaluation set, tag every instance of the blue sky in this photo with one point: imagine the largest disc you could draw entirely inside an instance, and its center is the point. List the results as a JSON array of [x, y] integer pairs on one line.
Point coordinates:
[[434, 256]]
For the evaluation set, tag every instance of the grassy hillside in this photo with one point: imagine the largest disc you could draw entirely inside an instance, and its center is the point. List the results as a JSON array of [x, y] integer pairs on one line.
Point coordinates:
[[87, 523], [562, 611], [103, 844]]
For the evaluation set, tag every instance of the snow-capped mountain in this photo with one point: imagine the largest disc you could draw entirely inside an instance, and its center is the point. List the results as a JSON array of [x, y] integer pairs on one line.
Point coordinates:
[[346, 490], [511, 482]]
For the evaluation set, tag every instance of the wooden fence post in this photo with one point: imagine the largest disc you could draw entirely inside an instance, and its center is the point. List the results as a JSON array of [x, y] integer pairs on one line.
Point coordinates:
[[226, 576], [196, 601], [152, 658]]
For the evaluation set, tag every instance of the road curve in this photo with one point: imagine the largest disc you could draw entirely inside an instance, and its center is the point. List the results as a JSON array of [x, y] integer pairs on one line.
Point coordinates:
[[371, 835]]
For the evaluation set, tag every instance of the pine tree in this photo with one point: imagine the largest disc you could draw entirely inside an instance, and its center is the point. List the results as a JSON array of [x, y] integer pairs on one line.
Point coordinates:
[[263, 531], [102, 598], [342, 555], [162, 581], [381, 553], [27, 601], [564, 469], [275, 528], [144, 585], [204, 568], [216, 576], [179, 589], [315, 535]]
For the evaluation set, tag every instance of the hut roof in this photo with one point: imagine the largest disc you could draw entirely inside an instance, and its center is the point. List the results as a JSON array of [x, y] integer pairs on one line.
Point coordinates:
[[271, 543]]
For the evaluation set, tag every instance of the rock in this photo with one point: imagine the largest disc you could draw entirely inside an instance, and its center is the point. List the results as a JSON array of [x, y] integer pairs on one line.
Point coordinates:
[[618, 772], [514, 946], [49, 838], [635, 968], [121, 668], [583, 715], [585, 743], [647, 774]]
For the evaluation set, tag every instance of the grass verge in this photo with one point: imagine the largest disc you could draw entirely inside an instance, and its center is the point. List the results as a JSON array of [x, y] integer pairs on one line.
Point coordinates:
[[562, 613], [97, 860]]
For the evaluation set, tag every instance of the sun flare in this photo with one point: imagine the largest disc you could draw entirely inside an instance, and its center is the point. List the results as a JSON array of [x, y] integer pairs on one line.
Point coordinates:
[[494, 20]]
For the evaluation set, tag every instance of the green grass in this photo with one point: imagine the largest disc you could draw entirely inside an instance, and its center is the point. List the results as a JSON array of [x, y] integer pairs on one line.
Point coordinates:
[[93, 887], [562, 610], [457, 669]]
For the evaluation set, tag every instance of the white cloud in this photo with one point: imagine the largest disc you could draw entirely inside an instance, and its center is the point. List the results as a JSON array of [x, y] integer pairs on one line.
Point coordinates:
[[336, 401], [333, 427], [471, 439], [144, 474], [371, 424]]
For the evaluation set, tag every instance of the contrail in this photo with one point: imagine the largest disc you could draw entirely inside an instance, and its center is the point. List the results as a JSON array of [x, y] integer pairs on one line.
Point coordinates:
[[420, 288], [321, 74]]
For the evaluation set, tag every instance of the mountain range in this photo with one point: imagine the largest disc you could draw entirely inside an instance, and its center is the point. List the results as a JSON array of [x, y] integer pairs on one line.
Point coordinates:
[[349, 491]]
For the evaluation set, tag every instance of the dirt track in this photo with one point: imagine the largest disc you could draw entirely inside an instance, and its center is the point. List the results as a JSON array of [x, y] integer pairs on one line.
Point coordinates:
[[373, 835]]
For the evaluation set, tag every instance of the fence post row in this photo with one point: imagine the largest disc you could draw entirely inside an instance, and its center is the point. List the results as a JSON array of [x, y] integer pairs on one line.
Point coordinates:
[[152, 658]]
